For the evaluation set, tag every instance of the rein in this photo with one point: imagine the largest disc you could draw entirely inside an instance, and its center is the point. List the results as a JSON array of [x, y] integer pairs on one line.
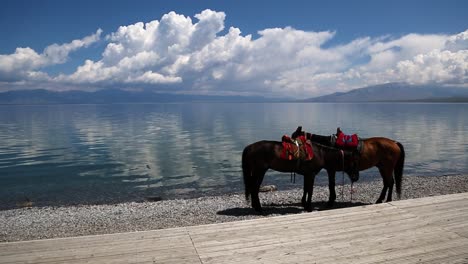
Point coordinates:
[[293, 180], [309, 136], [342, 183]]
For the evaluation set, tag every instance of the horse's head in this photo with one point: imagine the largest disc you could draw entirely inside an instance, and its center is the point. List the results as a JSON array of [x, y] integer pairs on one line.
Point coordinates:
[[352, 166], [297, 133]]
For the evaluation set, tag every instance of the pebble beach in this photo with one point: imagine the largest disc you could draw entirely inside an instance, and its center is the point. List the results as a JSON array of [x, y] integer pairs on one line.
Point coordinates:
[[55, 222]]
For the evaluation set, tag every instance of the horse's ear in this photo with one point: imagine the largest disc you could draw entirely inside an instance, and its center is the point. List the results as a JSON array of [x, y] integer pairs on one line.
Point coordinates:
[[299, 129]]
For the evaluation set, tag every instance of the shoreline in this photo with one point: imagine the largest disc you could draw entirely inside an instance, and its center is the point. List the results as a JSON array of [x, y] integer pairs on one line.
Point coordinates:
[[55, 222]]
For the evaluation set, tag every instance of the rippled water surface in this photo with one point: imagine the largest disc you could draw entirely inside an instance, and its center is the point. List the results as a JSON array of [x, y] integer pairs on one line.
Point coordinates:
[[67, 154]]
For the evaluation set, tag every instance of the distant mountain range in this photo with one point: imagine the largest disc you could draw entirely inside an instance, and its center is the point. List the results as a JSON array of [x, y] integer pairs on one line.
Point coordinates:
[[397, 92], [112, 96], [379, 93]]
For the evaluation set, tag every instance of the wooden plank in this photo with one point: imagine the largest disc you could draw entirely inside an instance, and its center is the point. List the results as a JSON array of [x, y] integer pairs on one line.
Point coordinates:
[[453, 254], [100, 252], [365, 220], [160, 245], [243, 247], [327, 253], [315, 220], [318, 216], [91, 241], [327, 235], [293, 244], [446, 206], [430, 200]]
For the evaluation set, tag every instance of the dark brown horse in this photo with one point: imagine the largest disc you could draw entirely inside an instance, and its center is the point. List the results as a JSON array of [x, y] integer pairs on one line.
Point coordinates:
[[385, 154], [260, 156]]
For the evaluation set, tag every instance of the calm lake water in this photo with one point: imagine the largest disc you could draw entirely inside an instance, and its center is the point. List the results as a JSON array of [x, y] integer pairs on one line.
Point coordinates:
[[71, 154]]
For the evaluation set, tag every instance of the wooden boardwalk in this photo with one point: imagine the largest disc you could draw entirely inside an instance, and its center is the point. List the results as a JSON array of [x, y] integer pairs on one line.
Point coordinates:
[[426, 230]]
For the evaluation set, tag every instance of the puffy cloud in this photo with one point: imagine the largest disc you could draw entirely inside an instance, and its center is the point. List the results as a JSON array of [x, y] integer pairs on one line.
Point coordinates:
[[210, 23], [23, 63], [152, 78], [200, 56], [57, 54], [23, 60], [436, 66], [153, 53], [413, 58], [457, 42], [417, 59]]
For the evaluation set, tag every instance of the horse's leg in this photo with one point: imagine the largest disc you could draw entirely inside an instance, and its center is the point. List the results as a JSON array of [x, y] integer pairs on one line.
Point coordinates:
[[256, 202], [390, 182], [257, 180], [382, 193], [309, 185], [387, 178], [331, 187], [390, 189], [304, 194]]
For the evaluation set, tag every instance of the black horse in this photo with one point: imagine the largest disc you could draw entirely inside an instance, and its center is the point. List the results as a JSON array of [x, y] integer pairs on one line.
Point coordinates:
[[260, 156], [386, 154]]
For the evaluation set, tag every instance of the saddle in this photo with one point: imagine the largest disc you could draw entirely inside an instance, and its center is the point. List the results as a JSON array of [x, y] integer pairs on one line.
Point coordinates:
[[296, 149], [346, 142]]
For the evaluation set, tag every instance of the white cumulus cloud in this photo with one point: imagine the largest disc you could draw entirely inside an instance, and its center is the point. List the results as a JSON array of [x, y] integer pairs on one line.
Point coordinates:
[[25, 61], [199, 55], [436, 66]]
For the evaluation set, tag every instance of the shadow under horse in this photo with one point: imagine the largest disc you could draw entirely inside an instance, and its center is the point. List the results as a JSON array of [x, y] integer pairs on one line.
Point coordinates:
[[386, 154], [260, 156]]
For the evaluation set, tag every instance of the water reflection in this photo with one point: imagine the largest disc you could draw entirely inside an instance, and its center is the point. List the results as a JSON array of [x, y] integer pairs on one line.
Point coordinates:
[[102, 153]]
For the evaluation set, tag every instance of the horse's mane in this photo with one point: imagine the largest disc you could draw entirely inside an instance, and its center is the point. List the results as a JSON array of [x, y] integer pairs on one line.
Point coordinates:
[[328, 148]]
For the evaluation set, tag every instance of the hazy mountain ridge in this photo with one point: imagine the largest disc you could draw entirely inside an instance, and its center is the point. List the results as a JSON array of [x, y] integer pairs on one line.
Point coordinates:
[[397, 92], [400, 92], [113, 96]]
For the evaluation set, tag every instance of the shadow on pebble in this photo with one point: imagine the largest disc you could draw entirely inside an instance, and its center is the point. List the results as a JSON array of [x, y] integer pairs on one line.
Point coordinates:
[[267, 210], [284, 209]]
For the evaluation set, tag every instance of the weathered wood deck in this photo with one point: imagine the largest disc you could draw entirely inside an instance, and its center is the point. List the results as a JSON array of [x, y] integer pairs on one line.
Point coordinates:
[[427, 230]]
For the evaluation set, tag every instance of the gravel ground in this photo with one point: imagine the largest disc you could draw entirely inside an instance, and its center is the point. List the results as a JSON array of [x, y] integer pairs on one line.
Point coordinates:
[[53, 222]]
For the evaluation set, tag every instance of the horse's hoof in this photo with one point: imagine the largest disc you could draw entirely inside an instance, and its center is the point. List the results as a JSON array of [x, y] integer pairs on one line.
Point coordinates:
[[378, 201], [330, 203]]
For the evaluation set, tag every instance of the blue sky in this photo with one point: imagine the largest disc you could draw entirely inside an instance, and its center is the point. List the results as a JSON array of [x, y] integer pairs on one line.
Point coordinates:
[[272, 48]]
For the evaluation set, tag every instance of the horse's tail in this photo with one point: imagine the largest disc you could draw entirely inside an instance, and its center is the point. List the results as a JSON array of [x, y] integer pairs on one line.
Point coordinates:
[[246, 172], [399, 169]]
